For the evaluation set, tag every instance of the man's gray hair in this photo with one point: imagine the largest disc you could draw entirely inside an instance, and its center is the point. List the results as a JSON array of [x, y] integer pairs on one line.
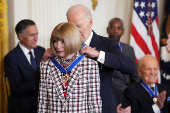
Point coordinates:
[[73, 9], [140, 60]]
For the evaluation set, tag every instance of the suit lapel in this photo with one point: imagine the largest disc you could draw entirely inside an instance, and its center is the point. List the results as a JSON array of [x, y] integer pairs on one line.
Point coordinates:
[[123, 46], [125, 50], [75, 74], [38, 56], [95, 41], [145, 94], [160, 89], [57, 79], [23, 60]]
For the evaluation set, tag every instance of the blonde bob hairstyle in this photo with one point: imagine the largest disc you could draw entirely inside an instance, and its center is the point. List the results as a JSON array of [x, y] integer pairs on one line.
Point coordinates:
[[69, 34]]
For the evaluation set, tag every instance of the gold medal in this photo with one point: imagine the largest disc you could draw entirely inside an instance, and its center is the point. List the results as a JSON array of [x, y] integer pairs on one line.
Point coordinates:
[[66, 77], [155, 99]]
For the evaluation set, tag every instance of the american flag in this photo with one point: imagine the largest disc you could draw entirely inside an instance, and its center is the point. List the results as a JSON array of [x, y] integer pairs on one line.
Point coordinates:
[[144, 29], [165, 46]]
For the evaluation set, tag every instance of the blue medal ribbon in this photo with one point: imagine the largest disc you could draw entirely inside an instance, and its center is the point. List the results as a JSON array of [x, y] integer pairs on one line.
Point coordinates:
[[75, 62], [153, 94], [120, 46]]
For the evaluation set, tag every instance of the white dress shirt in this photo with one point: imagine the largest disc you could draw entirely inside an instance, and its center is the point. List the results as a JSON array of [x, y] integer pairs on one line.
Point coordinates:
[[154, 106], [26, 52], [101, 57]]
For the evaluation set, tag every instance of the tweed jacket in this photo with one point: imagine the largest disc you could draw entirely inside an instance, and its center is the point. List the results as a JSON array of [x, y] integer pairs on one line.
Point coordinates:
[[83, 92]]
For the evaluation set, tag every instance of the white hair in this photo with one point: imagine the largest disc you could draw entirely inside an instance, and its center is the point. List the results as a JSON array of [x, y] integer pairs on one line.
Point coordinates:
[[75, 8], [148, 55]]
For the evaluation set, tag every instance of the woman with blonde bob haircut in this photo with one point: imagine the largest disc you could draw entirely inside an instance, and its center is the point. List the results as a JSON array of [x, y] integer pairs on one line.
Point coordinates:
[[69, 82], [68, 33]]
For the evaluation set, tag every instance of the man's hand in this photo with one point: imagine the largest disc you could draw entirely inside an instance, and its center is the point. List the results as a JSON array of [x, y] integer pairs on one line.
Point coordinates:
[[91, 52], [48, 54], [123, 110], [160, 99]]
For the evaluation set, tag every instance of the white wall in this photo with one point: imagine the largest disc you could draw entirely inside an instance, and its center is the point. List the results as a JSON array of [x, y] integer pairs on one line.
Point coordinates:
[[36, 10]]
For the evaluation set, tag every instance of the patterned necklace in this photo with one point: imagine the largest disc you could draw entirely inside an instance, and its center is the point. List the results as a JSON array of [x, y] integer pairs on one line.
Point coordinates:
[[65, 64], [66, 77]]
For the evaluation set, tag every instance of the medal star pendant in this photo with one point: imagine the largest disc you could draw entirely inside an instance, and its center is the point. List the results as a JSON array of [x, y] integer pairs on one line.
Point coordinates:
[[66, 77], [154, 99]]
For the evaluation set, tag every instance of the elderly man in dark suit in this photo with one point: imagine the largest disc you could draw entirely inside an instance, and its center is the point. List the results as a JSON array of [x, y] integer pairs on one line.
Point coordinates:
[[105, 51], [21, 65], [121, 80], [147, 96]]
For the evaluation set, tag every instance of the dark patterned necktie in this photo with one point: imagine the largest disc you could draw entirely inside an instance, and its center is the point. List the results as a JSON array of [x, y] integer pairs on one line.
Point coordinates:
[[83, 45], [33, 62], [152, 88]]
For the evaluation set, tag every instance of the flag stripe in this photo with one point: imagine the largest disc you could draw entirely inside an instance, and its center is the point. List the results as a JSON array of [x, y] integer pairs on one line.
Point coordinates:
[[139, 40], [156, 19], [155, 48], [141, 29], [156, 33], [137, 50], [136, 61]]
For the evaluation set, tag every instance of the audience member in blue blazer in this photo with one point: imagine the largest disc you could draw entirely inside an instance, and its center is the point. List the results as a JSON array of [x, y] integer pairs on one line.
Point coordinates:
[[20, 68]]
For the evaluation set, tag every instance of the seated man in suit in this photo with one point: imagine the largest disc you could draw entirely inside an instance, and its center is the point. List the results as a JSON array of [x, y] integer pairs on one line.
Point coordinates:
[[21, 65], [121, 80], [147, 96]]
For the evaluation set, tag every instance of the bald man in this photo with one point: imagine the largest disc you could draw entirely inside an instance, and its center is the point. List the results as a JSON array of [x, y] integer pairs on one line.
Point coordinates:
[[147, 96]]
